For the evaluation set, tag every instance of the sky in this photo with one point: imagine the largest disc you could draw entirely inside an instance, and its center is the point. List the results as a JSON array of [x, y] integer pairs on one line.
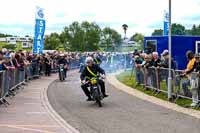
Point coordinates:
[[17, 17]]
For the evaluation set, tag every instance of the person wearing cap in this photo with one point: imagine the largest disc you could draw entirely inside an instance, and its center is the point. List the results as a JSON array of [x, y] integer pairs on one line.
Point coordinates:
[[89, 72], [165, 61], [8, 65], [138, 65]]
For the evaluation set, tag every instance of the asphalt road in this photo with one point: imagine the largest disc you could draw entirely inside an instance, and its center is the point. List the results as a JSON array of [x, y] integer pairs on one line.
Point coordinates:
[[121, 112]]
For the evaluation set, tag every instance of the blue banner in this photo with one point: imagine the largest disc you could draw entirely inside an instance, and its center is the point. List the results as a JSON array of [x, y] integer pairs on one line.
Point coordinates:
[[166, 24], [38, 45]]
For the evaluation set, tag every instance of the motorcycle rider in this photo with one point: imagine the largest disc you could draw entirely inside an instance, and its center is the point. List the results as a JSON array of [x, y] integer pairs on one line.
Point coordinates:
[[63, 61], [90, 71]]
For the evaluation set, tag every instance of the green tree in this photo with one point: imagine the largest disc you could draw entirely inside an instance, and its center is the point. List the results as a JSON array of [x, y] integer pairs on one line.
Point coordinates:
[[157, 32], [83, 36], [5, 35], [111, 38], [195, 30], [92, 34], [52, 42], [139, 39], [178, 29], [76, 36]]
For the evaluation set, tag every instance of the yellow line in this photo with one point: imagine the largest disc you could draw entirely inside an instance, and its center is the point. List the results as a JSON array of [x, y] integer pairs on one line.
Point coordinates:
[[29, 129]]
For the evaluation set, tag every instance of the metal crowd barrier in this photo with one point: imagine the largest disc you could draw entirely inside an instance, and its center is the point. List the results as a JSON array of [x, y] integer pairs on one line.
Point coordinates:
[[156, 79], [11, 80]]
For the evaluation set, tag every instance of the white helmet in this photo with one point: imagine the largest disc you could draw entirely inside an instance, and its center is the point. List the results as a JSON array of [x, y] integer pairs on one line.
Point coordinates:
[[88, 59]]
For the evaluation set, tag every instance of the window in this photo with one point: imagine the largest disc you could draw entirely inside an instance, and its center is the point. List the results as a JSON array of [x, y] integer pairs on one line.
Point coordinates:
[[151, 46], [197, 49], [25, 44]]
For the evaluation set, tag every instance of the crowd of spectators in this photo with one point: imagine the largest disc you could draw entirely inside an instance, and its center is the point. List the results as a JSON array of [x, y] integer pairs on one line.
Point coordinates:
[[187, 79], [144, 60]]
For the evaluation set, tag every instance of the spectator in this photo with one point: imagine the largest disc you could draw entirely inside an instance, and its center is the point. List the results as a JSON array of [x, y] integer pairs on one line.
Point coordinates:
[[187, 71], [8, 65], [148, 62], [138, 68], [156, 59], [47, 62], [165, 61], [194, 80], [1, 61]]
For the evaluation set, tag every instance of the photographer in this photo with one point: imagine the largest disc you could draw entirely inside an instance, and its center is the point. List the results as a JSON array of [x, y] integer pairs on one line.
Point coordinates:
[[138, 68]]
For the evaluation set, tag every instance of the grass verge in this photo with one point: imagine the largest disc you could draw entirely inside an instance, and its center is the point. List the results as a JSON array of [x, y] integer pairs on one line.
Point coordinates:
[[129, 80]]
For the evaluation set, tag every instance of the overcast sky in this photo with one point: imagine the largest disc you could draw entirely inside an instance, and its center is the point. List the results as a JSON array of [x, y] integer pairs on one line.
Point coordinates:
[[17, 17]]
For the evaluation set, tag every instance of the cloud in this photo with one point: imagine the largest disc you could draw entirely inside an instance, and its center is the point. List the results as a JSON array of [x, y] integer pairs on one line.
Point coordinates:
[[140, 15]]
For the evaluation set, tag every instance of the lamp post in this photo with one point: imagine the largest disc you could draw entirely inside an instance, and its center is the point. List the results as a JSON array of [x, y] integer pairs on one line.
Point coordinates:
[[125, 27], [170, 56]]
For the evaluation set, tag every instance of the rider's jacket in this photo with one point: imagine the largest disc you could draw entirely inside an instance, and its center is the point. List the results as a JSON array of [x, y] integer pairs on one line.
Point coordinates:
[[90, 72]]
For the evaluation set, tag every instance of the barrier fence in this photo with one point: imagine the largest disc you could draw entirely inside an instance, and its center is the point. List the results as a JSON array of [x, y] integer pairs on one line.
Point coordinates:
[[13, 79], [156, 79]]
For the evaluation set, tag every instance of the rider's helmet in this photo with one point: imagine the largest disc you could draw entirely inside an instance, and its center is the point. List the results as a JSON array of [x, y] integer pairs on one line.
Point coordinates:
[[88, 60]]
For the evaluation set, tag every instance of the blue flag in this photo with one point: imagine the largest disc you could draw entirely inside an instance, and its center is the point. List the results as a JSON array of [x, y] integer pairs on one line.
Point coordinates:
[[38, 45], [166, 24]]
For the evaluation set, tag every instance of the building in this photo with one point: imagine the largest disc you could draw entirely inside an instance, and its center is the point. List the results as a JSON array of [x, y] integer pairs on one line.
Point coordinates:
[[180, 45], [128, 43], [27, 42]]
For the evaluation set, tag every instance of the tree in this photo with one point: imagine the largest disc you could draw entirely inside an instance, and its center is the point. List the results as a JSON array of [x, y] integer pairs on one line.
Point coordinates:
[[178, 29], [52, 42], [195, 30], [157, 32], [5, 35], [112, 39], [83, 36], [92, 34], [139, 38]]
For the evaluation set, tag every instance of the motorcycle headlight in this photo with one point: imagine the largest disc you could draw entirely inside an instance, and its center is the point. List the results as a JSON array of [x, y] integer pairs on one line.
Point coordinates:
[[93, 81]]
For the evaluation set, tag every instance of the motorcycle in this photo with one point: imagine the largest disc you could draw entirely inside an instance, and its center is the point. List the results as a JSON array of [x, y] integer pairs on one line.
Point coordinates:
[[61, 72], [95, 90]]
